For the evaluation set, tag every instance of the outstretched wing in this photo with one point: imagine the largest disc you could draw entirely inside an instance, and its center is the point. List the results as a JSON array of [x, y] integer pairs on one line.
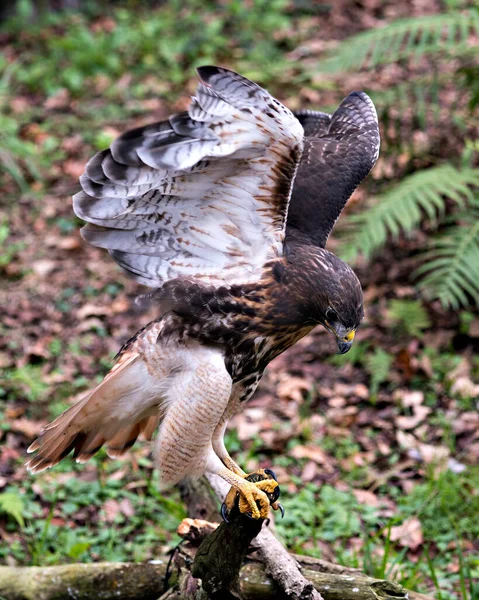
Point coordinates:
[[204, 194], [339, 151]]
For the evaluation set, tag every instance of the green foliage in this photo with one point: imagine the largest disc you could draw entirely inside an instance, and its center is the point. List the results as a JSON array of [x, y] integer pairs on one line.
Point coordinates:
[[378, 365], [445, 505], [27, 381], [451, 270], [124, 58], [330, 515], [12, 505], [8, 250], [452, 262], [409, 316], [404, 39], [401, 209], [166, 42], [133, 524], [19, 158]]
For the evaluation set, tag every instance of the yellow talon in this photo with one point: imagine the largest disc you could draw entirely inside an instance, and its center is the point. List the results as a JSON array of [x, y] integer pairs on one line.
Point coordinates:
[[254, 495]]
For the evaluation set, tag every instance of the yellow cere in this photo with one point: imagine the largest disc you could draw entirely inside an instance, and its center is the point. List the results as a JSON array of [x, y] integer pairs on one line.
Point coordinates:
[[350, 336]]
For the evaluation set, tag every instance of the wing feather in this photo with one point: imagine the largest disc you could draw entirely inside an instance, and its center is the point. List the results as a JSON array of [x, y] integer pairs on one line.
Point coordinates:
[[339, 151], [314, 122], [203, 194]]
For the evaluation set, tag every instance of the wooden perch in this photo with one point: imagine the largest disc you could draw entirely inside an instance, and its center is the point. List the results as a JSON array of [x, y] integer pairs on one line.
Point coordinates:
[[144, 581], [278, 562], [220, 555]]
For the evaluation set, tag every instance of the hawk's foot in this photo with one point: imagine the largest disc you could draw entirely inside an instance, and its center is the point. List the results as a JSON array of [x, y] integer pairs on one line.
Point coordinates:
[[254, 495]]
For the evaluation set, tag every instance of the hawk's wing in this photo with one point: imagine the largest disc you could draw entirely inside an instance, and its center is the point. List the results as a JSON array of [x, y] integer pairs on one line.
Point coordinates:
[[203, 194], [314, 122], [339, 151]]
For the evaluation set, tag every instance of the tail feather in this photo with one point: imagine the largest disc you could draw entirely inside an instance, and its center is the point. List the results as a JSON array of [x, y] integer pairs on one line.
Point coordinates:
[[90, 447], [126, 403], [149, 426], [119, 444]]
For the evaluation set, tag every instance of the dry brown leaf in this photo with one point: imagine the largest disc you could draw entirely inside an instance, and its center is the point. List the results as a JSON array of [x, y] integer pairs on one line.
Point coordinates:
[[112, 509], [60, 100], [310, 471], [432, 454], [195, 529], [409, 398], [292, 388], [74, 168], [408, 534], [89, 310], [120, 305], [313, 453], [43, 267], [13, 412], [126, 507], [337, 402], [411, 422], [30, 429], [366, 497], [351, 389], [465, 387], [70, 242]]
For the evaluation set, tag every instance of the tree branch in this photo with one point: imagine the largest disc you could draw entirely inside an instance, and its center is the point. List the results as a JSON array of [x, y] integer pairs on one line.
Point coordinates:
[[145, 581], [278, 562]]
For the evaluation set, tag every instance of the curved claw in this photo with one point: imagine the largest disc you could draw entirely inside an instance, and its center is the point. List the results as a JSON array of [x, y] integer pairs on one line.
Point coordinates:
[[224, 513], [271, 473], [275, 494], [281, 509]]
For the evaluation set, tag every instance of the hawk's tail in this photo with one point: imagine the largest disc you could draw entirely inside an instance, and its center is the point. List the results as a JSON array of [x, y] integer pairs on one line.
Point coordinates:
[[125, 405]]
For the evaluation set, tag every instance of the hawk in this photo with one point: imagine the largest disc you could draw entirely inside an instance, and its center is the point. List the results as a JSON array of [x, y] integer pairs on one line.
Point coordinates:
[[225, 210]]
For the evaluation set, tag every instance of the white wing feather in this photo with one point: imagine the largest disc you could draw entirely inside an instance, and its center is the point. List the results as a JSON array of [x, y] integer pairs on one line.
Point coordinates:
[[204, 194]]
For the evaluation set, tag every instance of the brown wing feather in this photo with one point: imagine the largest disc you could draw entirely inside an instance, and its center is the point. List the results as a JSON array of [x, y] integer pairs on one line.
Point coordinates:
[[335, 160]]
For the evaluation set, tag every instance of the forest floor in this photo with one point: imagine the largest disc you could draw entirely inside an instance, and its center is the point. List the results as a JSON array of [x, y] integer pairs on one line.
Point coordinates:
[[376, 451]]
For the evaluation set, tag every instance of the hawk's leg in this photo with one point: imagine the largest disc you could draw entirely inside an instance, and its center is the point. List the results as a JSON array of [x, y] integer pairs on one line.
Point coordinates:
[[221, 452]]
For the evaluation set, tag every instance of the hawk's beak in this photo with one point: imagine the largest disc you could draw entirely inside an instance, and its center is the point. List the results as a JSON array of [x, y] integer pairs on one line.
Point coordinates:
[[345, 343]]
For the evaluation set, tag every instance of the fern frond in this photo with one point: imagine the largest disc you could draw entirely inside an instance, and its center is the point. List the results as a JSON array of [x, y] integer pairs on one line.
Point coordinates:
[[422, 93], [409, 316], [405, 38], [402, 208], [378, 365], [451, 270]]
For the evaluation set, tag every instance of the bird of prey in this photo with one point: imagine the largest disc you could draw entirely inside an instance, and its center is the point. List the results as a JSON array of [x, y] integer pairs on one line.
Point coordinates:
[[225, 210]]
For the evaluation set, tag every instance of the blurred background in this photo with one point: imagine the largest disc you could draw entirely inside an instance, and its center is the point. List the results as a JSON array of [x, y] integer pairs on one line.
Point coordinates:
[[376, 451]]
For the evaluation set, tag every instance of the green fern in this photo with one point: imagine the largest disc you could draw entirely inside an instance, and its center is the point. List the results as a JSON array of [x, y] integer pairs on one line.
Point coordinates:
[[11, 504], [378, 365], [451, 270], [406, 38], [408, 316], [423, 93], [401, 209]]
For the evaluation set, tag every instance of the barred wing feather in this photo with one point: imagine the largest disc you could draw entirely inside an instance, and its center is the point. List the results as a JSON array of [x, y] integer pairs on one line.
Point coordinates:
[[203, 194]]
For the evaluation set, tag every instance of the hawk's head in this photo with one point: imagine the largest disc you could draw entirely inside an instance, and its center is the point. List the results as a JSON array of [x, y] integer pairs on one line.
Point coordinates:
[[328, 292]]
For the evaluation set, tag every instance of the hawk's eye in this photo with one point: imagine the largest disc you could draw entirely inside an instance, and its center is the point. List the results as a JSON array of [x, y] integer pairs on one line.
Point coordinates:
[[331, 315]]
